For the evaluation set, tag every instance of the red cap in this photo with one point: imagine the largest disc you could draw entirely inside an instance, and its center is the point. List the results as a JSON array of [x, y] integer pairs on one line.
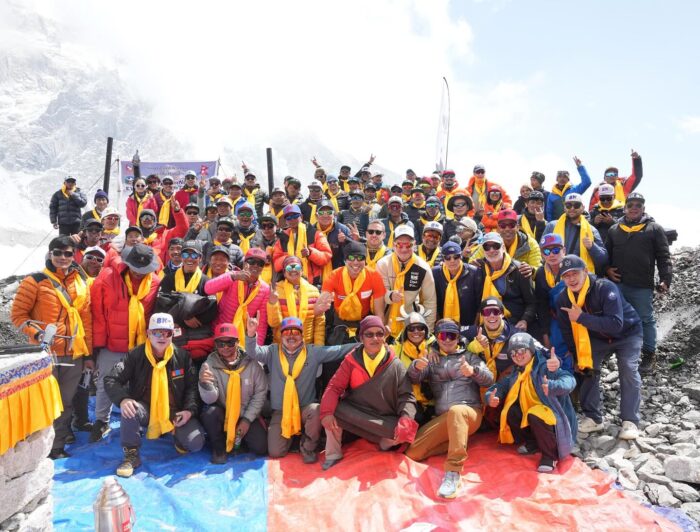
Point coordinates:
[[226, 330], [508, 214], [256, 253]]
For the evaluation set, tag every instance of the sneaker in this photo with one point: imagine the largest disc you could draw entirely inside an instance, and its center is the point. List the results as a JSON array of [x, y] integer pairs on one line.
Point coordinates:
[[589, 425], [528, 448], [218, 456], [330, 462], [546, 465], [629, 431], [58, 453], [451, 483], [79, 426], [100, 429], [132, 460], [309, 458]]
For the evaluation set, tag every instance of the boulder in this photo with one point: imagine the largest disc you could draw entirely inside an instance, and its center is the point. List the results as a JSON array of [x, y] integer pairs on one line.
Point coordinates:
[[683, 492], [661, 495], [692, 510], [653, 429], [683, 468], [627, 478], [693, 390]]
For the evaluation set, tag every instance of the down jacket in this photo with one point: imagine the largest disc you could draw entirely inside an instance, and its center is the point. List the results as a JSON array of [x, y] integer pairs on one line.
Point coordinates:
[[36, 299], [110, 309], [67, 211]]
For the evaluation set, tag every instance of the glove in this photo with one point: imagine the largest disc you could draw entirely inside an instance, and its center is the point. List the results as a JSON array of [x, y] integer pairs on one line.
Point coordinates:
[[405, 431]]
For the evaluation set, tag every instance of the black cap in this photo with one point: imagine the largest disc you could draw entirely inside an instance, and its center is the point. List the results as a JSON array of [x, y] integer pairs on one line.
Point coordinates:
[[93, 221], [522, 340], [325, 203], [194, 245], [268, 218], [191, 206], [220, 249], [635, 196], [227, 221], [133, 228], [354, 248]]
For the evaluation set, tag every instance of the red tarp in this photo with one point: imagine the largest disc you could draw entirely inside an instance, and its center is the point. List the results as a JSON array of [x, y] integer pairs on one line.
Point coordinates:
[[372, 490]]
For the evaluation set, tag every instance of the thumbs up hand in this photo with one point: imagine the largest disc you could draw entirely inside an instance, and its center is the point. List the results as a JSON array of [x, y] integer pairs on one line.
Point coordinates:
[[481, 338], [545, 385], [494, 401], [553, 363], [465, 368], [205, 375]]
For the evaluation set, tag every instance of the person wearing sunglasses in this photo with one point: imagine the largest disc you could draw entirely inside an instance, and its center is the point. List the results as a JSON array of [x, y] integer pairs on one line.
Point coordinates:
[[478, 191], [607, 211], [338, 236], [337, 196], [457, 286], [304, 241], [212, 194], [265, 237], [111, 220], [579, 236], [355, 214], [376, 250], [416, 207], [138, 200], [548, 286], [637, 246], [492, 208], [395, 219], [429, 248], [621, 185], [153, 183], [554, 208], [503, 280], [432, 214], [65, 207], [448, 188], [293, 366], [309, 207], [156, 234], [537, 415], [101, 201], [59, 295], [368, 396], [92, 261], [532, 221], [455, 379], [408, 280], [156, 387], [89, 236], [246, 226], [223, 236], [233, 388], [164, 200], [596, 321], [188, 192], [252, 191], [295, 297]]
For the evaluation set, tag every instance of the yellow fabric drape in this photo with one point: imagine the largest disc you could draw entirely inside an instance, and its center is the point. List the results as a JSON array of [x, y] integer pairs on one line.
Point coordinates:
[[423, 255], [616, 204], [313, 219], [445, 200], [297, 242], [64, 191], [241, 316], [191, 286], [584, 352], [512, 248], [526, 227], [390, 243], [296, 309], [159, 414], [619, 191], [586, 231], [334, 201], [395, 308], [75, 322], [480, 189], [140, 200], [244, 244], [291, 413], [524, 390], [351, 307], [451, 306], [491, 276], [371, 364], [328, 266], [150, 238], [233, 405], [549, 277], [164, 213], [560, 192], [632, 228], [250, 196], [210, 274], [137, 316], [413, 352], [493, 349], [114, 231], [372, 263]]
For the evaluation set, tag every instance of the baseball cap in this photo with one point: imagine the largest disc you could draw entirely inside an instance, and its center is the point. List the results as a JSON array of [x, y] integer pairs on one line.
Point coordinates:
[[508, 214], [256, 253], [446, 325], [404, 230], [571, 262], [479, 167], [291, 323], [574, 196], [226, 330], [193, 245], [493, 236], [550, 240], [226, 200], [635, 196], [161, 320], [395, 199], [167, 178], [95, 249], [491, 302], [291, 209], [315, 183], [111, 211], [606, 190], [451, 248], [433, 226]]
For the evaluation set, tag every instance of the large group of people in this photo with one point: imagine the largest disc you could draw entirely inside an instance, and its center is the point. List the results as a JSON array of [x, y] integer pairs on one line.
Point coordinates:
[[410, 315]]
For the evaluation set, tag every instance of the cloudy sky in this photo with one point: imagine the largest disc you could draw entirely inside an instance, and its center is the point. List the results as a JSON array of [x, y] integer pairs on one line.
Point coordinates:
[[532, 83]]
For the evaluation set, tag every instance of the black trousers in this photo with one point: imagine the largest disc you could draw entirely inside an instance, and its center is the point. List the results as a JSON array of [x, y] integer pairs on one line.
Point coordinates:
[[69, 229], [213, 417], [538, 433]]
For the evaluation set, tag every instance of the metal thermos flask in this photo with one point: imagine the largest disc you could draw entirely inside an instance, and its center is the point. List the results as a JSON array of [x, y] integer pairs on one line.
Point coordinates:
[[113, 511]]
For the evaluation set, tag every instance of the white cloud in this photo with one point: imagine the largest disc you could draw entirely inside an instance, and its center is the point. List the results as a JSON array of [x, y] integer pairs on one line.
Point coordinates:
[[690, 124]]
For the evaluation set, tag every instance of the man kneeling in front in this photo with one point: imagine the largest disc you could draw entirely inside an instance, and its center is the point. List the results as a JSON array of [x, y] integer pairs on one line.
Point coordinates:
[[154, 379]]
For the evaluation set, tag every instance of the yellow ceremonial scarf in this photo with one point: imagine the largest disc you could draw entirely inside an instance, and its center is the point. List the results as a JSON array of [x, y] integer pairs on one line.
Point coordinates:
[[395, 308], [294, 310], [244, 244], [491, 351], [64, 191], [294, 248], [149, 240], [413, 352], [619, 191], [445, 200], [241, 315], [210, 274], [372, 262], [371, 364], [114, 231], [334, 201], [164, 213], [159, 412], [250, 196], [313, 219], [137, 316], [423, 255], [75, 322], [526, 227], [139, 202], [480, 189], [524, 390], [328, 266], [425, 220], [233, 405], [96, 215], [351, 307], [586, 231], [451, 307], [266, 274], [513, 247], [192, 285], [291, 413], [584, 352], [616, 204], [560, 192], [632, 228], [549, 276], [491, 276], [391, 234]]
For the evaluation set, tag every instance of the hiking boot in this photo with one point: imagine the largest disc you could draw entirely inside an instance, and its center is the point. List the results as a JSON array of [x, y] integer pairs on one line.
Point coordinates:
[[629, 431], [528, 448], [58, 453], [131, 461], [589, 425], [648, 363], [451, 483], [99, 430], [309, 458], [546, 465], [330, 462], [81, 426], [218, 455]]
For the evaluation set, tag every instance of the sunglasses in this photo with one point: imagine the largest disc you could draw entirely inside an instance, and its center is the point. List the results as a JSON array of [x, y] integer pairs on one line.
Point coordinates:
[[190, 255], [162, 334], [245, 214], [611, 174], [192, 213], [250, 179], [573, 205], [255, 262], [491, 246], [507, 225], [147, 217], [293, 216], [452, 257], [94, 258], [491, 312], [225, 229], [226, 343], [448, 336], [190, 178], [292, 268], [374, 232], [395, 205], [480, 172], [152, 182], [267, 226], [555, 250], [360, 258], [377, 335], [167, 183], [518, 352], [139, 186], [459, 205], [403, 245], [605, 199], [415, 328], [61, 253], [113, 218], [325, 212], [291, 332], [634, 205], [432, 205]]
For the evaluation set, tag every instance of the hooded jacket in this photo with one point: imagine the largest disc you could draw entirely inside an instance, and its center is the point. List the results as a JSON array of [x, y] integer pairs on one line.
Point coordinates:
[[67, 211], [554, 207], [516, 292]]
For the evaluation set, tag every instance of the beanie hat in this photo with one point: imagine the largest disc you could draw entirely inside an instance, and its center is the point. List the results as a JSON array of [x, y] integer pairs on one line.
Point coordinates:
[[370, 322], [100, 194]]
